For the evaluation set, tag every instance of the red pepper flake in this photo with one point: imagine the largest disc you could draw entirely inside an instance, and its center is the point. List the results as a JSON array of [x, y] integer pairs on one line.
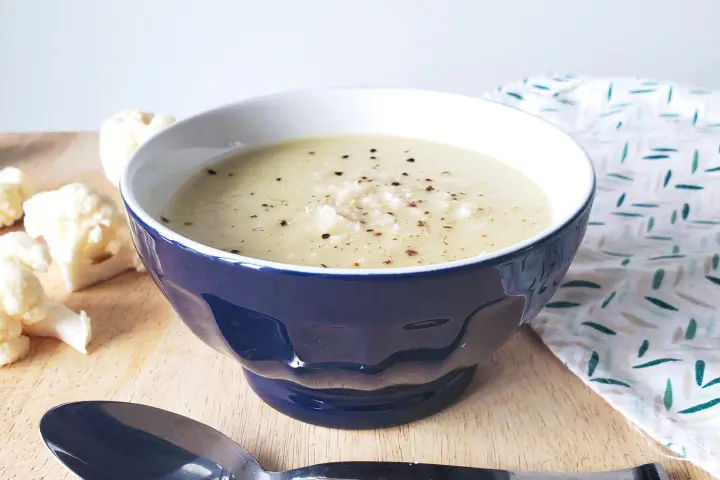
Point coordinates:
[[211, 171], [278, 179], [234, 250], [420, 223], [164, 220], [484, 235], [410, 160], [325, 236], [356, 264], [283, 223], [377, 234], [339, 174], [429, 188], [187, 224], [412, 204], [388, 261], [411, 252], [395, 184]]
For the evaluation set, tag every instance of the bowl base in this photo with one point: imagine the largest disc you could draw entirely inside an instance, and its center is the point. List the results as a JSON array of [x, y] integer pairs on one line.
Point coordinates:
[[360, 409]]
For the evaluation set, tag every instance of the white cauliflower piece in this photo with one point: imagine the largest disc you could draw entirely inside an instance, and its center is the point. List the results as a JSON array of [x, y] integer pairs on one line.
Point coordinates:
[[67, 326], [122, 134], [13, 345], [21, 294], [14, 350], [86, 234], [25, 308], [14, 190], [20, 246]]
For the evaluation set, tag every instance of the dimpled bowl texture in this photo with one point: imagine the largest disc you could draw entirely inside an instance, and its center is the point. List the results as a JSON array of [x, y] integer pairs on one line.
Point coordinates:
[[358, 348]]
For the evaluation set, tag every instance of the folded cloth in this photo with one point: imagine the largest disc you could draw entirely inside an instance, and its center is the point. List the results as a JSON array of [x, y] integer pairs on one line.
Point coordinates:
[[637, 316]]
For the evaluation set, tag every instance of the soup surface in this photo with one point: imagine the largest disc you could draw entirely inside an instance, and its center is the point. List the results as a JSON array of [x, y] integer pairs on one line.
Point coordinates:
[[359, 202]]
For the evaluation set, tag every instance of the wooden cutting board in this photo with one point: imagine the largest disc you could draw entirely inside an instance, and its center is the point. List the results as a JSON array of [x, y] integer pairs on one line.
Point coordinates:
[[526, 411]]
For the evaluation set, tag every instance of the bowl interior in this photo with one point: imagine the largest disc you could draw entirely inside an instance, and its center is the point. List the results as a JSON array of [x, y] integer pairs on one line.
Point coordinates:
[[540, 151]]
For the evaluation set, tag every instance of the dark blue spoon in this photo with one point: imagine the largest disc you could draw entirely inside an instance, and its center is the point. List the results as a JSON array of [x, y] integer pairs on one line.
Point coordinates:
[[122, 441]]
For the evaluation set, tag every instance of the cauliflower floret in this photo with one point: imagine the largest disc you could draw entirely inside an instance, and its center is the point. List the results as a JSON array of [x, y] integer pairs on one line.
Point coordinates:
[[14, 190], [20, 246], [87, 236], [122, 134], [25, 308], [14, 350], [21, 294]]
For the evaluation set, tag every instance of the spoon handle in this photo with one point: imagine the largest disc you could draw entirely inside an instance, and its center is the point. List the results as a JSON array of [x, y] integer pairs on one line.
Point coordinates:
[[420, 471]]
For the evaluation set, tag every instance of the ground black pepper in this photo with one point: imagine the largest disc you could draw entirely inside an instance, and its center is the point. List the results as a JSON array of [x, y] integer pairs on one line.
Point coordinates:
[[325, 236], [387, 262], [411, 252], [373, 150], [234, 251], [404, 174], [278, 179], [429, 188], [187, 224], [395, 184], [231, 174], [311, 153], [339, 174], [283, 223], [420, 223], [373, 157], [410, 160], [323, 265], [263, 204], [211, 172], [346, 156], [253, 216], [164, 220]]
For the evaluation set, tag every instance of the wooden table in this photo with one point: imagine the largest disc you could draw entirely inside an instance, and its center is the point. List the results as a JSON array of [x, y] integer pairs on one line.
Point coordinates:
[[525, 412]]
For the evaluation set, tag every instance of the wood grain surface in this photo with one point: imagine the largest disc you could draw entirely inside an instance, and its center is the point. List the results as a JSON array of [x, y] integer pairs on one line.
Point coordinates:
[[525, 411]]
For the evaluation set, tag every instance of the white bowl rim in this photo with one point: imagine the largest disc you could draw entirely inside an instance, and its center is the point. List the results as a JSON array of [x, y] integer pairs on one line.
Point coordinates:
[[490, 258]]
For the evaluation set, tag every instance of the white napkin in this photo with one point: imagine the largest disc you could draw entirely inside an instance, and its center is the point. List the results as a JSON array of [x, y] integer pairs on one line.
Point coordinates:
[[637, 316]]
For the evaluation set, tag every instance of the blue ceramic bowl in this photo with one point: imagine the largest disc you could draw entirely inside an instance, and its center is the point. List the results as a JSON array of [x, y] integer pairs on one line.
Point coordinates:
[[358, 348]]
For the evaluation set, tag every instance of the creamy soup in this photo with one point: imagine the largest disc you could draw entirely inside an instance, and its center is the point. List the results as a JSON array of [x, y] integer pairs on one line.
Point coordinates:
[[359, 202]]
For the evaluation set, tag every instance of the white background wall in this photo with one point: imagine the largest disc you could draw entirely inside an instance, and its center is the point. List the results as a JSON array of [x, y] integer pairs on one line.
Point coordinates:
[[68, 64]]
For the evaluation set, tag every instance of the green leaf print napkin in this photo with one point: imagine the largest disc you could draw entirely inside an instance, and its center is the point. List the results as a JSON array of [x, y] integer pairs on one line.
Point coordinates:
[[637, 315]]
